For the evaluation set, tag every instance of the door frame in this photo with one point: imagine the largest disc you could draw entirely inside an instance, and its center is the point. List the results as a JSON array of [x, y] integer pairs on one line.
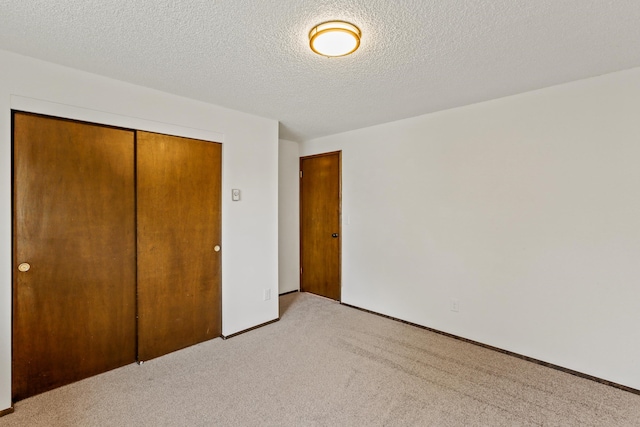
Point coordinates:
[[301, 246]]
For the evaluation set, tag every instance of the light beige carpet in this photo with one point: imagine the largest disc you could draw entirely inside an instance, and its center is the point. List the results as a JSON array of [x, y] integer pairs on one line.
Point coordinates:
[[325, 364]]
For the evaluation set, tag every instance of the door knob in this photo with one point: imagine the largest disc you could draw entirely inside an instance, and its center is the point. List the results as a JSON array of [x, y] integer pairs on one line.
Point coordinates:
[[216, 248], [334, 235], [24, 267]]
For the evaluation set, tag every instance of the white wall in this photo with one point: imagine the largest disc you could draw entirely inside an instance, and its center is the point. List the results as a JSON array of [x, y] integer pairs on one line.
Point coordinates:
[[289, 221], [524, 209], [250, 163]]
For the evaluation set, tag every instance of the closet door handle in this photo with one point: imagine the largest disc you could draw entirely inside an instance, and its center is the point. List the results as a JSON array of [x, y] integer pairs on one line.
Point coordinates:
[[334, 235], [24, 267]]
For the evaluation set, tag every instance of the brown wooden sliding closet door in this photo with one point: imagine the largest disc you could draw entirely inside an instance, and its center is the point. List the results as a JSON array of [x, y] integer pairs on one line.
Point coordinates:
[[179, 222], [74, 252]]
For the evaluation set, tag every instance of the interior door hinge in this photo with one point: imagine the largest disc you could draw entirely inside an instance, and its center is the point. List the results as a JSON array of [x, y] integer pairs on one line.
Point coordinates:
[[300, 174], [300, 270]]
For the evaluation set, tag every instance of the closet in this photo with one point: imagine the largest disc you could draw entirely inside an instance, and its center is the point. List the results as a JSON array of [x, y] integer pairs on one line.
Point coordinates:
[[116, 238]]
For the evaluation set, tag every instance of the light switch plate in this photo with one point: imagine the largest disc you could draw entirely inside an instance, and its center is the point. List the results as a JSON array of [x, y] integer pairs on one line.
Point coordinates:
[[235, 195]]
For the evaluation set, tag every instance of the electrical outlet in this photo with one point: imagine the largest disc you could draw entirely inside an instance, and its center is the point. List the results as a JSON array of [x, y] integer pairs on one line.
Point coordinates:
[[267, 294], [455, 305]]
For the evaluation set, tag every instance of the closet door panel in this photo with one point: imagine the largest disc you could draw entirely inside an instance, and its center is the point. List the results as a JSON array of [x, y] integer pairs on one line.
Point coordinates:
[[179, 222], [74, 240]]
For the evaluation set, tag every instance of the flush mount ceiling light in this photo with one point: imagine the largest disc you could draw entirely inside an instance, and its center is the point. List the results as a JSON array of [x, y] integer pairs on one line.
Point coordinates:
[[334, 38]]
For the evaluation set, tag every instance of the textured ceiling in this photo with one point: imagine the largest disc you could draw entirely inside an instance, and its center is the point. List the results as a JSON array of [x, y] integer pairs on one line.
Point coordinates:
[[416, 56]]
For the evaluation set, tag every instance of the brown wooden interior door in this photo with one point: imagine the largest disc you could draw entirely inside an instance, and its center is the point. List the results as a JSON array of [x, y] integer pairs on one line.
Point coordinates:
[[179, 222], [320, 241], [74, 224]]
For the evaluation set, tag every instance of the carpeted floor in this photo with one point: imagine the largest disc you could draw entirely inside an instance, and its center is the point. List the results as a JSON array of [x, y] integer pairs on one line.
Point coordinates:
[[325, 364]]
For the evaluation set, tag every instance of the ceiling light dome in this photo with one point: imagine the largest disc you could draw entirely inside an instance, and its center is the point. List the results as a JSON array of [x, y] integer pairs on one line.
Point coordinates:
[[334, 38]]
